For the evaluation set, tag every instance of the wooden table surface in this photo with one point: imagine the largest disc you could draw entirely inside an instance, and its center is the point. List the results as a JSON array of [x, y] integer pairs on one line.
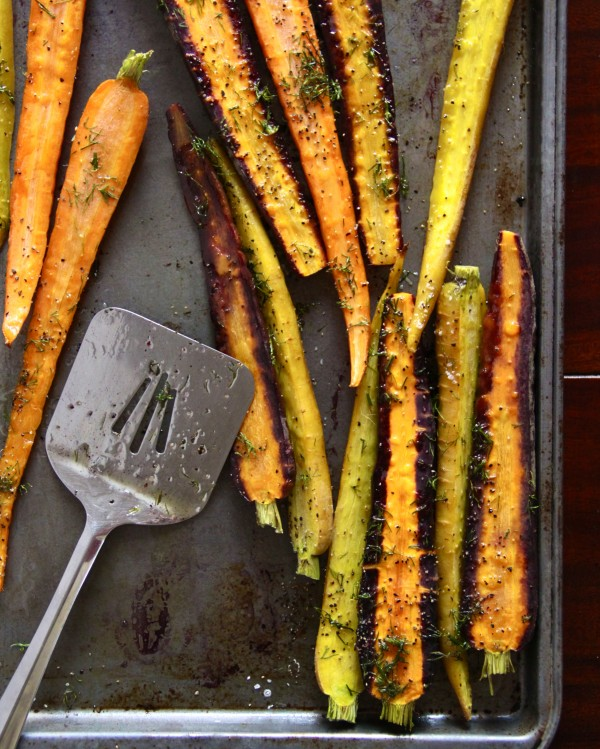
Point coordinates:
[[580, 723]]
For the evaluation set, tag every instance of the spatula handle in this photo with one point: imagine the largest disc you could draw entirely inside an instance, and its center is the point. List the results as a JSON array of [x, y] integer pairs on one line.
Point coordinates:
[[16, 700]]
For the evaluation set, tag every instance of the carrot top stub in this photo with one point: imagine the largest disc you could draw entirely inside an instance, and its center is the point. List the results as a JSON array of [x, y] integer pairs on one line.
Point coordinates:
[[133, 65]]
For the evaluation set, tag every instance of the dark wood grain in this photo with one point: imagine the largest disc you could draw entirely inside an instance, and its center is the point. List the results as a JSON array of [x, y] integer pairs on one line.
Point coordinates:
[[581, 576], [582, 216], [579, 727]]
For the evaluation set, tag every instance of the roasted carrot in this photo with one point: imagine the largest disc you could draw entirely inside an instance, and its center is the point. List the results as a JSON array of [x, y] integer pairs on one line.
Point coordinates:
[[459, 323], [310, 502], [288, 38], [263, 464], [337, 665], [7, 110], [224, 68], [500, 596], [477, 46], [354, 36], [396, 593], [104, 149], [53, 42]]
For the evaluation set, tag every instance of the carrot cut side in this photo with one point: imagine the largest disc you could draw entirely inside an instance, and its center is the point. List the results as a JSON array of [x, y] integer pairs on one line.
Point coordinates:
[[215, 46], [354, 36], [53, 43], [310, 501], [459, 324], [337, 664], [262, 457], [288, 38], [103, 152], [396, 595], [500, 566]]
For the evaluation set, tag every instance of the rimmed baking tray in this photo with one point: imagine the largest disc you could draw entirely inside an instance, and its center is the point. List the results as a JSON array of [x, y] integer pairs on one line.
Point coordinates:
[[201, 634]]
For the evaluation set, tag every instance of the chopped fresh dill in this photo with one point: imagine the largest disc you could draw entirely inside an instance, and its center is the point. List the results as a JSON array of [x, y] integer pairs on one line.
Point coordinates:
[[313, 81]]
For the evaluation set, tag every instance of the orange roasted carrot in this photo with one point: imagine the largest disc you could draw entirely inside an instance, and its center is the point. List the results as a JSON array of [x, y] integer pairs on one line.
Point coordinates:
[[397, 588], [287, 35], [104, 149], [7, 110], [53, 42]]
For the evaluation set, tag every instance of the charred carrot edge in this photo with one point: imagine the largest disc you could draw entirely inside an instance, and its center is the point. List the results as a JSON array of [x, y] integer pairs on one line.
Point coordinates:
[[103, 152], [289, 42], [354, 36], [7, 110], [310, 502], [396, 594], [262, 457], [337, 665], [53, 42], [500, 562], [215, 46], [477, 46], [459, 324]]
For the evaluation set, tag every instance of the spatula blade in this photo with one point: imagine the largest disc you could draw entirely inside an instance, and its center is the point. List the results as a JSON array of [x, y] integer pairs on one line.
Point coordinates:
[[146, 414]]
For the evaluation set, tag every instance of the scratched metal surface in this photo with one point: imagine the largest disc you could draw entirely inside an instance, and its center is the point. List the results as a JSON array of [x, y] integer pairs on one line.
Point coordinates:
[[202, 633]]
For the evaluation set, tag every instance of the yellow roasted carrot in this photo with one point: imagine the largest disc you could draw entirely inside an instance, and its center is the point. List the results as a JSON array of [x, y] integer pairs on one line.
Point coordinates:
[[477, 45], [459, 323], [310, 502], [104, 149], [289, 42], [53, 42], [7, 110]]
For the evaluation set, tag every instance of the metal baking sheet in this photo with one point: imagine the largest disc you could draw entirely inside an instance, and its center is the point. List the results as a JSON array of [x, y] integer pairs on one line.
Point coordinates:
[[201, 634]]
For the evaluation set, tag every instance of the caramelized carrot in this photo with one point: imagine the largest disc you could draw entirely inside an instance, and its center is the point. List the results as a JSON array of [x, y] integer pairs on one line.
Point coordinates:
[[354, 35], [310, 515], [53, 41], [500, 560], [7, 110], [104, 149], [337, 664], [396, 596], [262, 460], [224, 68], [287, 35]]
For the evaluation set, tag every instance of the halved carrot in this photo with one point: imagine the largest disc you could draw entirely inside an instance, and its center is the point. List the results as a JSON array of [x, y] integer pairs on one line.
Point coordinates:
[[104, 149], [337, 664], [262, 460], [477, 45], [53, 42], [310, 502], [500, 561], [459, 323], [354, 36], [7, 110], [288, 38], [214, 42], [396, 594]]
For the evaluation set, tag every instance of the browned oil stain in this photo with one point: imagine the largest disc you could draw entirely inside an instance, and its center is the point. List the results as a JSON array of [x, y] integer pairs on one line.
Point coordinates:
[[150, 615]]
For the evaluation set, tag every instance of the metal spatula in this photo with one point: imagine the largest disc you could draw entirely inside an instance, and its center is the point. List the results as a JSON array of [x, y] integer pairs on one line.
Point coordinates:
[[140, 434]]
